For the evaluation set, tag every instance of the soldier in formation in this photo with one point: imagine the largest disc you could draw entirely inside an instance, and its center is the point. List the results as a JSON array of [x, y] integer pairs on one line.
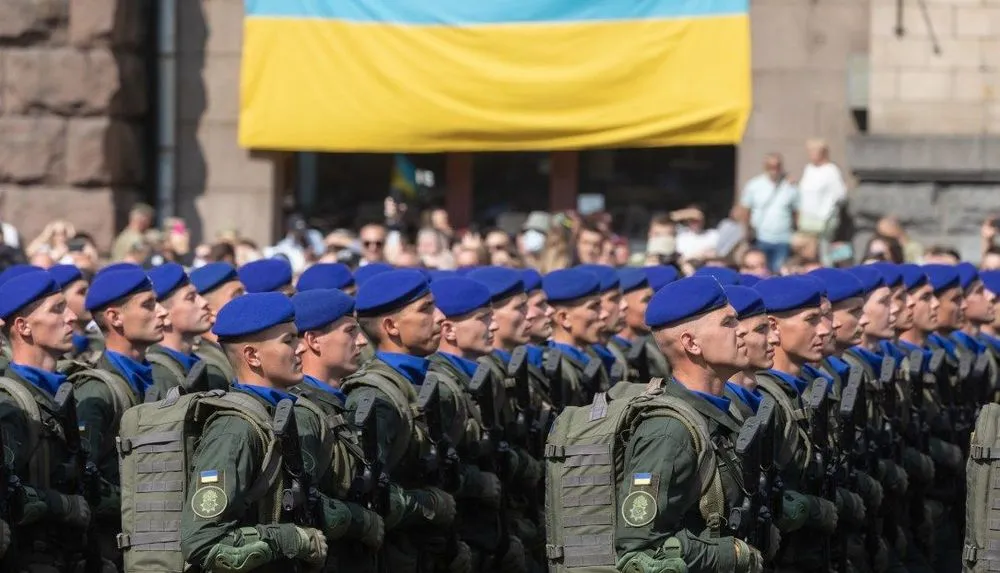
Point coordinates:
[[387, 419]]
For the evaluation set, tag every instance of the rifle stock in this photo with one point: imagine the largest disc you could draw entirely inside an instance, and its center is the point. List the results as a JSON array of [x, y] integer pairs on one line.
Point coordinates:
[[300, 499], [442, 463], [490, 400]]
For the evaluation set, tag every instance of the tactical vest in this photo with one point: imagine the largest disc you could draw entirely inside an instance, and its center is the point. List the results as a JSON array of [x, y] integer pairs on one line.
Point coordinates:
[[400, 393], [466, 427], [156, 447], [794, 437], [584, 463], [123, 397], [45, 439], [981, 552], [214, 356], [340, 453]]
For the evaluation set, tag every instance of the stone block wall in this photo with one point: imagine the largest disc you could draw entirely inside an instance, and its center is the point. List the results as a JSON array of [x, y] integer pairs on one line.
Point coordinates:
[[915, 90], [72, 102]]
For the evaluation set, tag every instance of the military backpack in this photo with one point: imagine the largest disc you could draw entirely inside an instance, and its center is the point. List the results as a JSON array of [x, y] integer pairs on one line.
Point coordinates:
[[584, 463], [981, 552], [156, 446]]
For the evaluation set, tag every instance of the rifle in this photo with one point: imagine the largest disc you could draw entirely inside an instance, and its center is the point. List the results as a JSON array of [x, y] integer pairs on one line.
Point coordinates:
[[553, 371], [441, 463], [370, 487], [857, 453], [755, 445], [821, 476], [81, 476], [637, 359], [526, 423], [300, 500], [490, 398]]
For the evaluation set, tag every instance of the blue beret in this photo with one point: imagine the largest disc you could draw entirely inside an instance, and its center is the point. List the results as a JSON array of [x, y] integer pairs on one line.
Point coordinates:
[[684, 299], [366, 272], [464, 271], [913, 275], [607, 275], [316, 308], [567, 285], [942, 277], [781, 294], [724, 275], [438, 274], [967, 274], [65, 275], [840, 284], [25, 289], [212, 276], [459, 295], [16, 271], [661, 275], [115, 267], [632, 278], [167, 278], [265, 275], [869, 276], [890, 272], [325, 276], [820, 285], [252, 313], [532, 280], [992, 281], [749, 280], [501, 281], [390, 290], [116, 285], [745, 300]]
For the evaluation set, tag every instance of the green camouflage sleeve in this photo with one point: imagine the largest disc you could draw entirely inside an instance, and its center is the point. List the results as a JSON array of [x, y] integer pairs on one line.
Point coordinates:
[[660, 490]]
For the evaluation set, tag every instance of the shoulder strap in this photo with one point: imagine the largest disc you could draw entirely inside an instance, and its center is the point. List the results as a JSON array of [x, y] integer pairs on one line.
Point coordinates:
[[328, 427], [792, 432], [122, 393], [26, 402], [407, 409], [170, 364]]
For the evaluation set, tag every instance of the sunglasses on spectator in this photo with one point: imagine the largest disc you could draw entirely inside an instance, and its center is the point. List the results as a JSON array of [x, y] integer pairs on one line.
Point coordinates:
[[373, 243]]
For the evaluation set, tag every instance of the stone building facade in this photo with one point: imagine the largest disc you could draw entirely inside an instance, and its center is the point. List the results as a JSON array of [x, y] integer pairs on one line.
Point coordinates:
[[918, 129]]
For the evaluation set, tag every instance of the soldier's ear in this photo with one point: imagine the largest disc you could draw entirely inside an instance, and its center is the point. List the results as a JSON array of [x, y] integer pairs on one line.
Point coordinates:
[[310, 341], [389, 326], [21, 327], [689, 343], [561, 317], [251, 355], [448, 331]]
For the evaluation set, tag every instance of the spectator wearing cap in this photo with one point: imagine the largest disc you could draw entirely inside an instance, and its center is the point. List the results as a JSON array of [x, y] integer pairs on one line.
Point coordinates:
[[332, 341], [510, 308], [698, 331], [188, 317], [87, 340], [124, 306], [267, 275], [577, 324], [760, 341], [38, 323], [612, 305], [259, 336], [397, 312], [920, 294], [646, 361], [218, 283]]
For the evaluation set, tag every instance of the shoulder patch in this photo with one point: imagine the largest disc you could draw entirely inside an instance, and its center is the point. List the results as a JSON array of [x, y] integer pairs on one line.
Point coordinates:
[[209, 501], [639, 509]]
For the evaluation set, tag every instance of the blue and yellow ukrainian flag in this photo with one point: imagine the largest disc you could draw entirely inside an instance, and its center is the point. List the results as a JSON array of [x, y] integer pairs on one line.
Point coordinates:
[[493, 75]]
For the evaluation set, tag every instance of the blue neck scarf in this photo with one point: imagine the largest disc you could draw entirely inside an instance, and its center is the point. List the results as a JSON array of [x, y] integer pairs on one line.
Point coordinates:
[[463, 364], [890, 349], [948, 345], [991, 340], [138, 374], [840, 368], [536, 355], [623, 341], [606, 356], [270, 395], [80, 343], [187, 360], [748, 397], [811, 372], [324, 387], [798, 384], [720, 402], [874, 360], [503, 355], [968, 342], [574, 352], [43, 380], [413, 368]]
